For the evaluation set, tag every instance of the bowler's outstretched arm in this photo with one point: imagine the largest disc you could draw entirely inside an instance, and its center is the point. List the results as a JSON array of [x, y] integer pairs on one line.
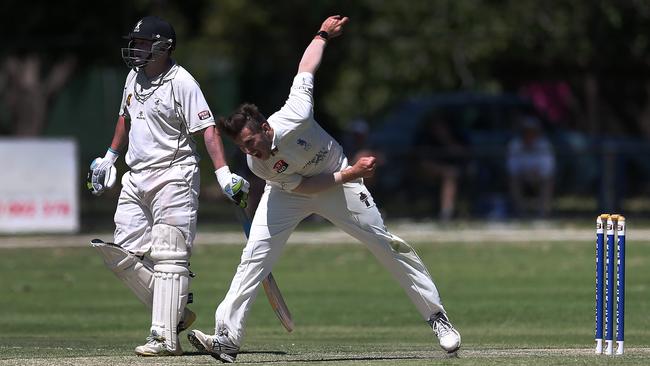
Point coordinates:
[[311, 58]]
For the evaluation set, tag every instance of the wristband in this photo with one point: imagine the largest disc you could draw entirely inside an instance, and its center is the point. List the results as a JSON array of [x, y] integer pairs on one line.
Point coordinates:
[[338, 178], [223, 176], [111, 155], [322, 34], [343, 176]]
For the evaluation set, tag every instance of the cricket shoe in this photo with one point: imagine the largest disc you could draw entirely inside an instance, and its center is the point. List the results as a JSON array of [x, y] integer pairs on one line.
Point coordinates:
[[156, 347], [218, 346], [188, 319], [443, 329]]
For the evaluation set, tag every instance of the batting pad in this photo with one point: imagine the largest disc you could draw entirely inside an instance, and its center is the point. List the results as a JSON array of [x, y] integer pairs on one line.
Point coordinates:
[[171, 287], [171, 282], [168, 243], [134, 272]]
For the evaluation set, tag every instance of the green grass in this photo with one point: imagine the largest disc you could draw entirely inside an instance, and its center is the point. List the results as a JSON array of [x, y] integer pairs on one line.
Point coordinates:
[[509, 301]]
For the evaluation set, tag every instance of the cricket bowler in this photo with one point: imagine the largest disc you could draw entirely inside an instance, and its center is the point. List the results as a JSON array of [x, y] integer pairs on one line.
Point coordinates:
[[307, 173]]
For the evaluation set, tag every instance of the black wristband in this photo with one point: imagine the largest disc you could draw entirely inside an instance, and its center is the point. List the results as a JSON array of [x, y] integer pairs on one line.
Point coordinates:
[[322, 34]]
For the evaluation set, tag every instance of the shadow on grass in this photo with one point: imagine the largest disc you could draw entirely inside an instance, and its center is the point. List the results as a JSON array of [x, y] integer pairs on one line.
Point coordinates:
[[276, 353], [328, 358]]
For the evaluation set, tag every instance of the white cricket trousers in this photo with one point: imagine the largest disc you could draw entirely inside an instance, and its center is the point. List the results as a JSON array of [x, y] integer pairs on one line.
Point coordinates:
[[156, 196], [349, 207]]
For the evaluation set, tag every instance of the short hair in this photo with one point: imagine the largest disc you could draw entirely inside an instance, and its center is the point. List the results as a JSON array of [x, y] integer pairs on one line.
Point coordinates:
[[246, 115]]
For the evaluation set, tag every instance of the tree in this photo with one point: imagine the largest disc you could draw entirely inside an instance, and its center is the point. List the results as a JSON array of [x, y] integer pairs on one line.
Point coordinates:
[[391, 49], [45, 47], [29, 91]]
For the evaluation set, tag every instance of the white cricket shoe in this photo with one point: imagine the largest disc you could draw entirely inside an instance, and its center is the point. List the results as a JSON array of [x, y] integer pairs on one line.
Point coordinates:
[[447, 335], [156, 347], [188, 319], [218, 346]]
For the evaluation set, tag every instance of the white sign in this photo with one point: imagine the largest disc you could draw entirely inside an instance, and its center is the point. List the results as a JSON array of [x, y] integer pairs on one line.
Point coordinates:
[[39, 186]]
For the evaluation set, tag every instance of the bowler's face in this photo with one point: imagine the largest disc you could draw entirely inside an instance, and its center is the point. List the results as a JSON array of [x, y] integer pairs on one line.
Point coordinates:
[[257, 144]]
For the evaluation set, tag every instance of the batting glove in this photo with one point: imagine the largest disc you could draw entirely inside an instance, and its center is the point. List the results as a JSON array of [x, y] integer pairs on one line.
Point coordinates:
[[233, 186], [102, 174]]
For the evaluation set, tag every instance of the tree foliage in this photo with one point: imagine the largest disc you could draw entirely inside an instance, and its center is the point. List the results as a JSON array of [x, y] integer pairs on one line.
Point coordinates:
[[395, 49], [391, 49]]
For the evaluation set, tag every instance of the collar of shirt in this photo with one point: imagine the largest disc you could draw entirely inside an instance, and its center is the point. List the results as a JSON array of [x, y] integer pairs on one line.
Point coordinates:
[[274, 143], [166, 75], [171, 73]]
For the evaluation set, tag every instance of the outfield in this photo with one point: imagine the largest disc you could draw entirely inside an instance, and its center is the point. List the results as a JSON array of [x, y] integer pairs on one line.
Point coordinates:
[[525, 301]]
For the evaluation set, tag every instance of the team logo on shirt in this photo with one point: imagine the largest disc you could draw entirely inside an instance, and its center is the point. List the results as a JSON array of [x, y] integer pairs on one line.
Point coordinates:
[[364, 198], [305, 145], [140, 115], [204, 115], [280, 166], [305, 87], [320, 156], [128, 100]]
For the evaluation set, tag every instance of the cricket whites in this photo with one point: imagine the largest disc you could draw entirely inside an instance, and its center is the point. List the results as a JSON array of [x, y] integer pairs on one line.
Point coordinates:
[[270, 286]]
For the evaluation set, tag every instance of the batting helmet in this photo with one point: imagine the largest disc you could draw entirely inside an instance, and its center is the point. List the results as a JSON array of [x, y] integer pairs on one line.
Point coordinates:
[[154, 29]]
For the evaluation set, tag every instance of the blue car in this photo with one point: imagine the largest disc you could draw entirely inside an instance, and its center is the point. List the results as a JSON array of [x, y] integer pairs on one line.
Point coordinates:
[[485, 123]]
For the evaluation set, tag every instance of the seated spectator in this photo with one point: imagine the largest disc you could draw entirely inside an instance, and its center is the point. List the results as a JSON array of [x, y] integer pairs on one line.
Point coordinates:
[[531, 169], [441, 156], [355, 139], [356, 144]]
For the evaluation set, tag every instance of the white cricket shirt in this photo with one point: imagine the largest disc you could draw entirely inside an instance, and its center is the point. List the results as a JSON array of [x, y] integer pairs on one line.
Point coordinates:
[[301, 147], [535, 159], [163, 112]]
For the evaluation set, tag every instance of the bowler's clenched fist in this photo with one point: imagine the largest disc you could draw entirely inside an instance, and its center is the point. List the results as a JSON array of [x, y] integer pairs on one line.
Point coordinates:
[[365, 166], [334, 25]]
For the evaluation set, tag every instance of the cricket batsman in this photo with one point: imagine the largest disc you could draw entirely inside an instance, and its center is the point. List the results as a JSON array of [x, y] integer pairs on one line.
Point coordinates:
[[307, 173], [155, 222]]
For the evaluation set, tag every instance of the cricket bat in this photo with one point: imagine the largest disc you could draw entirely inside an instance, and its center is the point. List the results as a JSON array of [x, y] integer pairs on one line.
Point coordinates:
[[270, 286]]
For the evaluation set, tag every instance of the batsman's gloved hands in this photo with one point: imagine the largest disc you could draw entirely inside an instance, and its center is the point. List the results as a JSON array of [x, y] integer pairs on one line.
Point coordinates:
[[102, 174], [233, 186]]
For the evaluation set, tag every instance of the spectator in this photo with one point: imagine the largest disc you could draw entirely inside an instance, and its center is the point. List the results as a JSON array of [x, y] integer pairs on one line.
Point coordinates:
[[531, 169], [355, 140], [441, 156], [356, 144]]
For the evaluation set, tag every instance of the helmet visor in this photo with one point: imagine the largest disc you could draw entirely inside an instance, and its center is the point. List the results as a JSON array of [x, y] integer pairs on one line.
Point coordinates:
[[139, 54]]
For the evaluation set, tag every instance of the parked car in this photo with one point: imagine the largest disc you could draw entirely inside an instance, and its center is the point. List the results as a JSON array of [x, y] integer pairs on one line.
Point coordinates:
[[486, 123]]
